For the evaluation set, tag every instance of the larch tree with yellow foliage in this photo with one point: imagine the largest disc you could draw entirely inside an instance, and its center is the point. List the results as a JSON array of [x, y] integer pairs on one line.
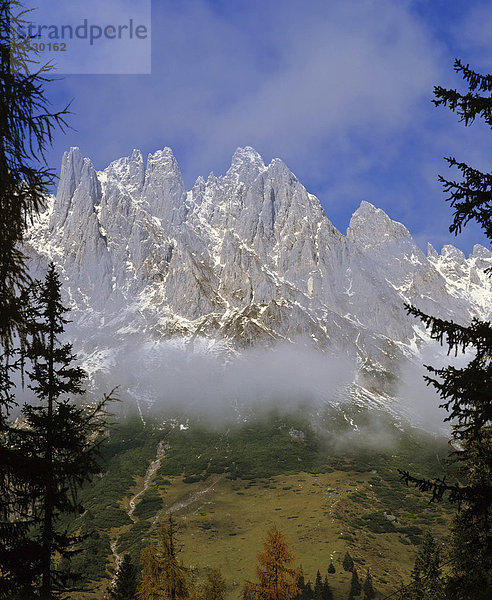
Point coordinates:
[[164, 577], [213, 588], [276, 572]]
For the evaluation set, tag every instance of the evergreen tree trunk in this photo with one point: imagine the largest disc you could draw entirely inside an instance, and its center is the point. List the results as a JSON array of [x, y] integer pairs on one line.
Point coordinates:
[[47, 551]]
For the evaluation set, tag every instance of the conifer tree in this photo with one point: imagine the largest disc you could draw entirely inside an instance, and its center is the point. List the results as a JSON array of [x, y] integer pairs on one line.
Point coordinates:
[[348, 563], [369, 593], [331, 568], [214, 586], [466, 392], [318, 586], [301, 584], [276, 573], [308, 591], [327, 594], [426, 572], [51, 377], [305, 590], [163, 575], [426, 578], [355, 585], [27, 126], [61, 438]]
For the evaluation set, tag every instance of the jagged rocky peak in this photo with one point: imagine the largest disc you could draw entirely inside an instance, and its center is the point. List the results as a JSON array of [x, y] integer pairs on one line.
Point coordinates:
[[128, 171], [432, 253], [164, 189], [278, 218], [480, 251], [71, 170], [247, 156], [163, 161], [243, 257], [277, 168], [371, 227], [450, 252], [78, 191], [195, 196], [246, 165], [162, 166], [199, 185]]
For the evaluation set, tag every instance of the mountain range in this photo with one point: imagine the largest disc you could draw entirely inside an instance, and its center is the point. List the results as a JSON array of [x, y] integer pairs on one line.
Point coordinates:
[[245, 260]]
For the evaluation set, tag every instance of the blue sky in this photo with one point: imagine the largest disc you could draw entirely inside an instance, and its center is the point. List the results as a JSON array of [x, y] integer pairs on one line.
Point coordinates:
[[340, 90]]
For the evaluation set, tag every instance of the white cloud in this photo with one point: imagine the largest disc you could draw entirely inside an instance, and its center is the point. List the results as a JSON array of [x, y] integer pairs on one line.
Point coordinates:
[[473, 35], [285, 376], [340, 91], [283, 82]]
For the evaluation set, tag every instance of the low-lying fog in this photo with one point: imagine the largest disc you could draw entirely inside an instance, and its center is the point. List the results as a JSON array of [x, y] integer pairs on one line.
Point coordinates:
[[162, 376]]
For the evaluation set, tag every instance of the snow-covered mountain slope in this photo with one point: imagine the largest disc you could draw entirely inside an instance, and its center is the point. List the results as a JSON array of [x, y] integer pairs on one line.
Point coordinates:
[[245, 259]]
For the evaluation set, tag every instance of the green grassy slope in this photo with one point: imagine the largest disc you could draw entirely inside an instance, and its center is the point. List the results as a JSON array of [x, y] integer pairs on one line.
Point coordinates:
[[327, 487]]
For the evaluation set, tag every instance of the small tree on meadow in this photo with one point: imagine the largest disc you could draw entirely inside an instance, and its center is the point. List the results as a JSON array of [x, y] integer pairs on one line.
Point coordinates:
[[125, 582], [355, 585], [426, 577], [369, 593], [318, 586], [327, 594], [214, 586], [276, 573], [301, 585], [305, 589], [348, 563]]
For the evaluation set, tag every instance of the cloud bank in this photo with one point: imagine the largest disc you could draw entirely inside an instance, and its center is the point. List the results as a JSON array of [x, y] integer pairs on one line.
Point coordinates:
[[168, 378]]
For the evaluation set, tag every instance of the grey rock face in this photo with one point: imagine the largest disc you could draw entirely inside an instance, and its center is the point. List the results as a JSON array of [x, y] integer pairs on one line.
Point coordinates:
[[74, 237], [248, 258]]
